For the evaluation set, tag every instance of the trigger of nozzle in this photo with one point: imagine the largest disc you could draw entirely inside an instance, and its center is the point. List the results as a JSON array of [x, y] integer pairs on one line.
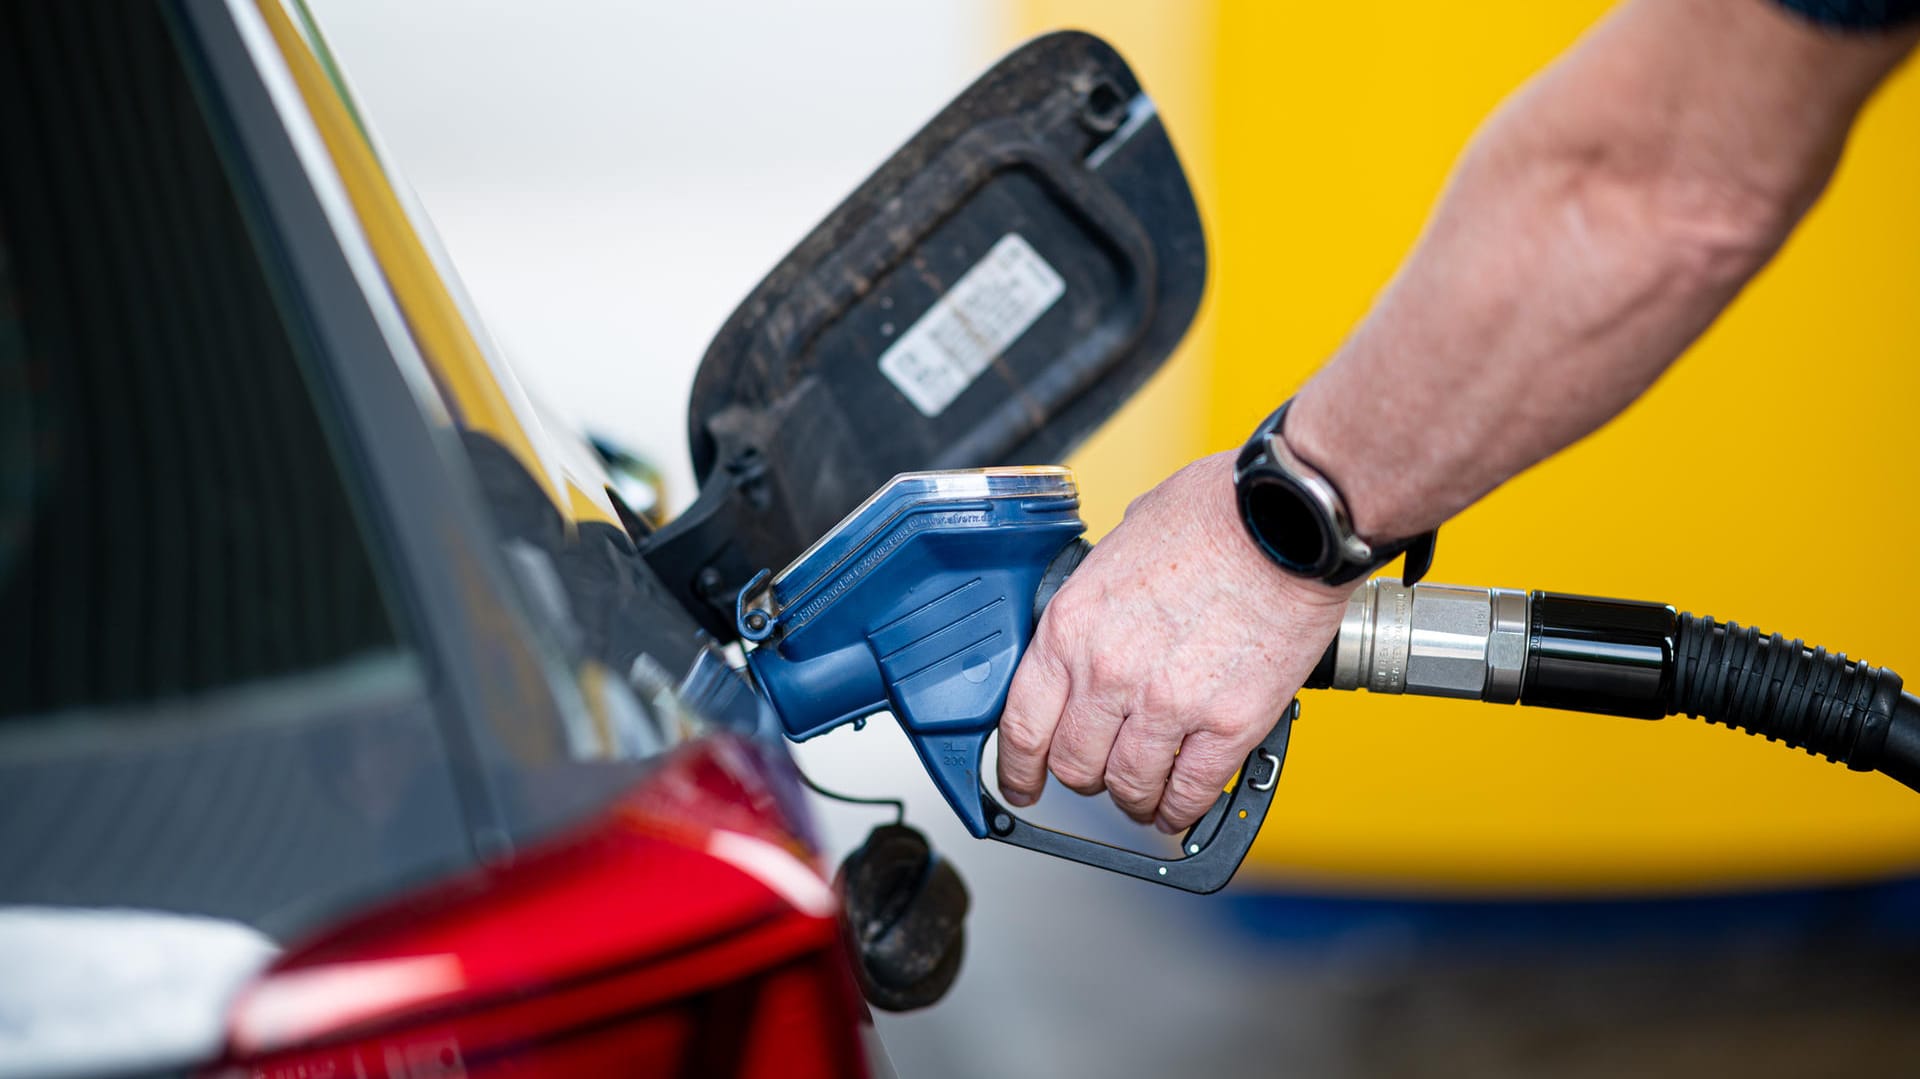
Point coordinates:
[[756, 624]]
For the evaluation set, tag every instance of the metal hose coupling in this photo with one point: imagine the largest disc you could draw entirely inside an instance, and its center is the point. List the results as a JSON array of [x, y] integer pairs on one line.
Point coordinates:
[[1435, 640]]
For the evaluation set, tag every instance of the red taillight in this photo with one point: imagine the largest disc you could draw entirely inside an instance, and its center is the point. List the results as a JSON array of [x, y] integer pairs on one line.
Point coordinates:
[[655, 943], [789, 1022]]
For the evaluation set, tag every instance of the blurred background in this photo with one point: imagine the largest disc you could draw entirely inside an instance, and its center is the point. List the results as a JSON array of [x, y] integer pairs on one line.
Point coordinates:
[[1442, 888]]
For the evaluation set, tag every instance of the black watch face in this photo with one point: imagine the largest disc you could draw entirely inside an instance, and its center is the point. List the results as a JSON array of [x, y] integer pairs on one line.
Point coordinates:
[[1287, 525]]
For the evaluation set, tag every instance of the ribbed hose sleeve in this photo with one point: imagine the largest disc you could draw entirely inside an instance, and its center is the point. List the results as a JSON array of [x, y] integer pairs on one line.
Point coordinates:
[[1844, 710]]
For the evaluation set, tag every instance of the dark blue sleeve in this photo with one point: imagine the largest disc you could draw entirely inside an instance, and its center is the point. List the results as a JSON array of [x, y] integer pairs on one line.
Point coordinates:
[[1855, 14]]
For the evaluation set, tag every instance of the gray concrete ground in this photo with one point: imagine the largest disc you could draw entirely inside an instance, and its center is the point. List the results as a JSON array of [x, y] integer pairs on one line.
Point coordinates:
[[1073, 972]]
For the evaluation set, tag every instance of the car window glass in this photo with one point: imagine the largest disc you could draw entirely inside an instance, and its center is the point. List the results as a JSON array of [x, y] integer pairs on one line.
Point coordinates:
[[173, 518]]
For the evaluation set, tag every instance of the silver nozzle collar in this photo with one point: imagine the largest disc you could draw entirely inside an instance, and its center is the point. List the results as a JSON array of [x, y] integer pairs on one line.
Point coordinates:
[[1507, 646], [1435, 640]]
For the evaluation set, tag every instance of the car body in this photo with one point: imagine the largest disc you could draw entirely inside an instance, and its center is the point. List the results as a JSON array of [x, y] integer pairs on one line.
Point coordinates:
[[300, 697], [352, 723]]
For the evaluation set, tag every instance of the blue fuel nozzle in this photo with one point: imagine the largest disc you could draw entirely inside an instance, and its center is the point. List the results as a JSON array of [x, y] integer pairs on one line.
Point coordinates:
[[921, 602]]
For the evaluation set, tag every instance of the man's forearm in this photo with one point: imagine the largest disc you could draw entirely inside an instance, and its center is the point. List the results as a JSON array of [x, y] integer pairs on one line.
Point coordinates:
[[1597, 225]]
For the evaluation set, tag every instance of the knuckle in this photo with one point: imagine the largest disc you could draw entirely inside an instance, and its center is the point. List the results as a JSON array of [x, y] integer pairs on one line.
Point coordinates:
[[1125, 783], [1107, 668], [1135, 779], [1162, 692], [1138, 809], [1064, 627], [1182, 806], [1042, 667], [1076, 775], [1131, 792], [1083, 789], [1047, 648], [1212, 766], [1188, 796], [1070, 600], [1132, 769], [1021, 735]]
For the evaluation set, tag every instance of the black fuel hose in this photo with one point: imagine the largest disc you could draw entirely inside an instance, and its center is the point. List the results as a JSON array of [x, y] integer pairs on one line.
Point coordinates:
[[1641, 659], [1844, 710], [1624, 658]]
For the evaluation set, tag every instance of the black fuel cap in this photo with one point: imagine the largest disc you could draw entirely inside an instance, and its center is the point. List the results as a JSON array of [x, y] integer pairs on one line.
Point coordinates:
[[904, 909]]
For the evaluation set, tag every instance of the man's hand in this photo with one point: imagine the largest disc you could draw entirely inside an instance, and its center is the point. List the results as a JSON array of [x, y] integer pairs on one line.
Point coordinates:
[[1175, 636]]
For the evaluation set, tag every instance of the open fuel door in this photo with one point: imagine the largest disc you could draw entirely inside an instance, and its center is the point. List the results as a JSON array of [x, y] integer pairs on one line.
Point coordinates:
[[990, 296]]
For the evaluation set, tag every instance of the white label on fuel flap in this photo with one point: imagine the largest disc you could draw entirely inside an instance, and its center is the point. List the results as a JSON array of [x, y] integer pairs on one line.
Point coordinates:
[[967, 329]]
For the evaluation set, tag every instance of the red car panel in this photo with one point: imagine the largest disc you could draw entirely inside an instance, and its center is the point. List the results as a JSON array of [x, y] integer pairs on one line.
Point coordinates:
[[685, 931]]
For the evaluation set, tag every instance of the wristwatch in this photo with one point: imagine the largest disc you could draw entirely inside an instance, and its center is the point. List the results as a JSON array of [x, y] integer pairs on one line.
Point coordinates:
[[1298, 517]]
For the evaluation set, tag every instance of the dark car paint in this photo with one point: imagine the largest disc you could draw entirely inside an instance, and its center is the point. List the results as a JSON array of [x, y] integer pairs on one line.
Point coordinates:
[[307, 805], [494, 675]]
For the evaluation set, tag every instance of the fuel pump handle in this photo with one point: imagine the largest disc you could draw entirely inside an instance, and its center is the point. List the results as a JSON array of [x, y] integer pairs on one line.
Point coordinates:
[[921, 602]]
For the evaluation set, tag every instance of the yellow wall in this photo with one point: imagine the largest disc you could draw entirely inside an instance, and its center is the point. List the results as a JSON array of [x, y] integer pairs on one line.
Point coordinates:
[[1753, 483]]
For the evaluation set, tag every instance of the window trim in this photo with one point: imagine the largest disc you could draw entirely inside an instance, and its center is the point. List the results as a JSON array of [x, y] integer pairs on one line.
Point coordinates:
[[501, 697]]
